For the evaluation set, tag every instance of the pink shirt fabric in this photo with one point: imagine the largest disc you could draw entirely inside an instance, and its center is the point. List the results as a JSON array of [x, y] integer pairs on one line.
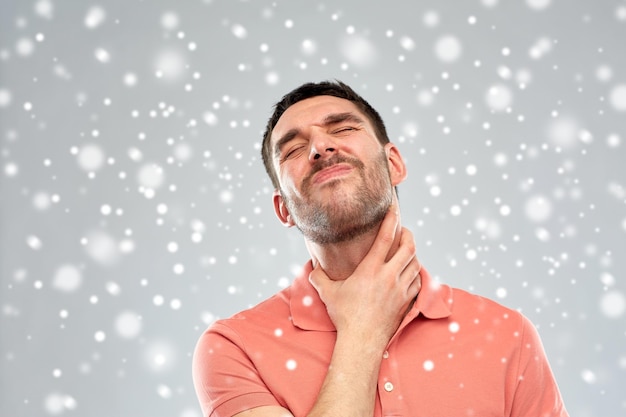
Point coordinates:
[[455, 354]]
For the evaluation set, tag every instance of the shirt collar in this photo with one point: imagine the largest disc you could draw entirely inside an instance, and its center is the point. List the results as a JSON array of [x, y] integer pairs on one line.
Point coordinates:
[[308, 312]]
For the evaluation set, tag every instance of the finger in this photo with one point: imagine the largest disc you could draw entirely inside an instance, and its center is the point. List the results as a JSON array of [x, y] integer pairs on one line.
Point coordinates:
[[386, 235], [410, 278], [405, 252], [415, 287]]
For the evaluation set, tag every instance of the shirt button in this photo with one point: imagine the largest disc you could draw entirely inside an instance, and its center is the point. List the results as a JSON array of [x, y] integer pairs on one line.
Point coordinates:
[[388, 386], [385, 354]]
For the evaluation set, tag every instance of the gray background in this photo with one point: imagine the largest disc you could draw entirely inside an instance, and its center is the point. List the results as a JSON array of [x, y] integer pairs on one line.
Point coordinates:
[[135, 210]]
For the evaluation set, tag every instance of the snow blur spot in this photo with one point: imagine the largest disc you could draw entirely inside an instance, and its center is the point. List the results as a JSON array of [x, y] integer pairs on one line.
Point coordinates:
[[448, 48], [454, 327], [113, 288], [613, 140], [538, 208], [588, 376], [209, 118], [41, 201], [11, 169], [540, 48], [44, 9], [618, 97], [130, 79], [278, 332], [90, 157], [102, 248], [34, 242], [291, 364], [613, 304], [128, 324], [24, 47], [307, 301], [56, 403], [183, 152], [407, 43], [607, 279], [178, 269], [604, 73], [489, 3], [410, 129], [499, 97], [172, 247], [169, 64], [150, 176], [164, 391], [538, 4], [99, 336], [5, 97], [160, 356], [226, 196], [563, 132], [283, 282], [542, 234], [102, 55], [358, 51], [431, 19], [67, 278], [501, 293], [239, 31], [429, 365], [207, 317], [308, 47], [425, 98], [190, 412], [169, 20], [490, 228], [95, 17], [272, 78]]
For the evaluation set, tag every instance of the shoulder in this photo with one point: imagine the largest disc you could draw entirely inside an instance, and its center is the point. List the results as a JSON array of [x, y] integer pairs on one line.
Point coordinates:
[[257, 320], [465, 301], [486, 313]]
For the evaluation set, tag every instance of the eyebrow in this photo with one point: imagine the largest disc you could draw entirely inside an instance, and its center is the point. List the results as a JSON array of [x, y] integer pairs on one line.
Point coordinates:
[[331, 119]]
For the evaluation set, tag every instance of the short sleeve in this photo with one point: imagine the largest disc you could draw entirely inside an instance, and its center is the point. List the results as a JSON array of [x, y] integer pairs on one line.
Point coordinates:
[[535, 390], [225, 379]]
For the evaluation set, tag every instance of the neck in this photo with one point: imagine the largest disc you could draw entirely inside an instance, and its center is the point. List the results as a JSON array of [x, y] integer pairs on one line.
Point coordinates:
[[339, 260]]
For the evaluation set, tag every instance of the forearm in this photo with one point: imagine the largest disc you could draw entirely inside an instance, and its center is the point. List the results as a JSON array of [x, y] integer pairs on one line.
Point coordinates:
[[350, 386]]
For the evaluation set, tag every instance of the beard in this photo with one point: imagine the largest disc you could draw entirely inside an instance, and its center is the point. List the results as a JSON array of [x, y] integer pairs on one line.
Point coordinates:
[[351, 212]]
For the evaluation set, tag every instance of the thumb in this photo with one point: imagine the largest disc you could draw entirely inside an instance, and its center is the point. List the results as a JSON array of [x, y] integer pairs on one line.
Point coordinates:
[[319, 280]]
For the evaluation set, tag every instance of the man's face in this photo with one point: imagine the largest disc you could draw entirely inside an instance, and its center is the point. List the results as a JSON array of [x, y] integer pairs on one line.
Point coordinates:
[[334, 175]]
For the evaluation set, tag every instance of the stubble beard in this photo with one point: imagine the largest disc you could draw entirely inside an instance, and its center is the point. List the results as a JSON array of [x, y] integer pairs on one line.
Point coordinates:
[[347, 214]]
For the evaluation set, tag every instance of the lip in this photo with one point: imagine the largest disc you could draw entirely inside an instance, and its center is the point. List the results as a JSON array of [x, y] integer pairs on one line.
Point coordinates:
[[331, 172]]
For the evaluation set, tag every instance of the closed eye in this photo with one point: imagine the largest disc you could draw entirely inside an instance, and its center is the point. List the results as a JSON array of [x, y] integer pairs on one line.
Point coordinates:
[[291, 152], [344, 129]]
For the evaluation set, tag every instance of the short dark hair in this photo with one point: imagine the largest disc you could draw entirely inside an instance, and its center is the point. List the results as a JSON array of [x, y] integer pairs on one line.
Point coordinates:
[[334, 88]]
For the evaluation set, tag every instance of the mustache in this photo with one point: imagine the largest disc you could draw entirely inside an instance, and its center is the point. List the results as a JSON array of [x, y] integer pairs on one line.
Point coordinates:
[[333, 160]]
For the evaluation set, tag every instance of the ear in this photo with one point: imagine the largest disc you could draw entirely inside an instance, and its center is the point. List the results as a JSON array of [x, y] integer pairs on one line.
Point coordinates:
[[397, 168], [281, 210]]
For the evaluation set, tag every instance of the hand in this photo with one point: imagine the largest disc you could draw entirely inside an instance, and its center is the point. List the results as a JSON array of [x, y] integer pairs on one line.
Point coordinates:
[[373, 300]]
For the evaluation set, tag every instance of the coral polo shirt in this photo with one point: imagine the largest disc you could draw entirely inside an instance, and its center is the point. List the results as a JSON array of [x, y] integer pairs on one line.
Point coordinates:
[[455, 354]]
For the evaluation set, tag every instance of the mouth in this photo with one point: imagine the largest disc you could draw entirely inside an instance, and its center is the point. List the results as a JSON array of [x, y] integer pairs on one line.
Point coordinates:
[[332, 172]]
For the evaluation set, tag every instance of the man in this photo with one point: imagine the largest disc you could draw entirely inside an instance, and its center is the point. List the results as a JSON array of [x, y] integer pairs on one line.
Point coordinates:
[[351, 336]]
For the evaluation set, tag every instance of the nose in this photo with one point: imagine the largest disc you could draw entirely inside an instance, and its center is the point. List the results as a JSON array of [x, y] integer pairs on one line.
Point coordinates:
[[321, 147]]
